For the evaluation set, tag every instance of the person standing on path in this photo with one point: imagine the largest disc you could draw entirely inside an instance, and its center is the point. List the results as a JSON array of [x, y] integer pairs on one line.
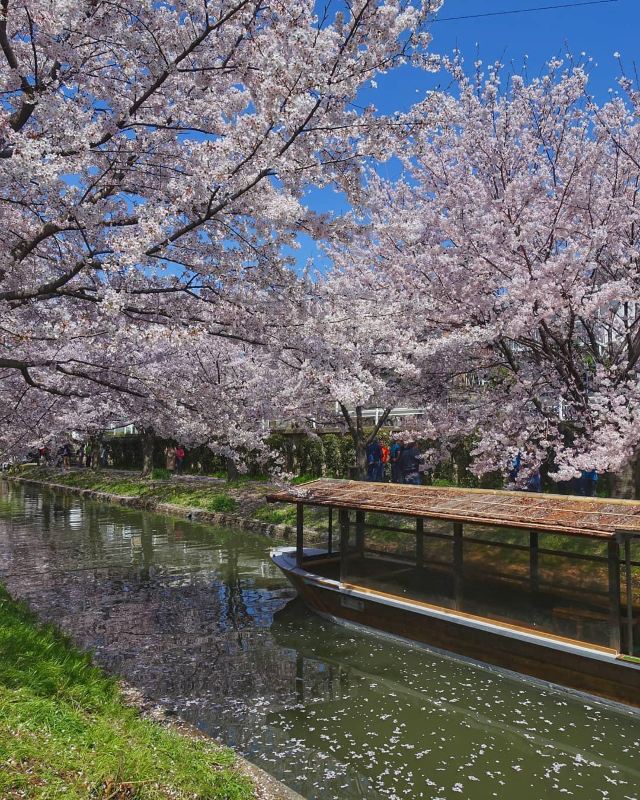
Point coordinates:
[[104, 454], [588, 482], [410, 463], [395, 452], [170, 456], [383, 462], [374, 460], [180, 454]]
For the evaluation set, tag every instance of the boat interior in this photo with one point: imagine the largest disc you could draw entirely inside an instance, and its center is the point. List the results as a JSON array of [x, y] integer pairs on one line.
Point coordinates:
[[542, 582]]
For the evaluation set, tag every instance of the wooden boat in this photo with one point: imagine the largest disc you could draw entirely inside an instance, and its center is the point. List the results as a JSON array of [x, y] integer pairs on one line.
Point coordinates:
[[541, 585]]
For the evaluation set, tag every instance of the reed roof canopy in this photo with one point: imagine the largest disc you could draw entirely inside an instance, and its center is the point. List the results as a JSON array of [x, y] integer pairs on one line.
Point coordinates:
[[576, 516]]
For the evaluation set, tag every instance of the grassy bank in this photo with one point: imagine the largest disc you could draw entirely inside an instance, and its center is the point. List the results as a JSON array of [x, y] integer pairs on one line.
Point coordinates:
[[65, 731], [245, 496]]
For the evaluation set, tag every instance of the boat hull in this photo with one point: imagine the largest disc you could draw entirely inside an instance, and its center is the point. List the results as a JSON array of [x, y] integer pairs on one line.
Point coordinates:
[[595, 671]]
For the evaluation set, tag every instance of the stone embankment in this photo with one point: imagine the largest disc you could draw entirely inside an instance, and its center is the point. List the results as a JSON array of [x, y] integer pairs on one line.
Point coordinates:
[[280, 533]]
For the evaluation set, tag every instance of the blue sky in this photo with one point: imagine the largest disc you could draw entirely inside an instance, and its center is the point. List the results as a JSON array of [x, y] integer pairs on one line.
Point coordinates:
[[597, 30]]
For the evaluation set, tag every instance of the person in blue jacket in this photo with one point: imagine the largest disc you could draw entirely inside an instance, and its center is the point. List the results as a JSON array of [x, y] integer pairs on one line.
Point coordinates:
[[534, 483], [395, 452], [410, 464], [374, 460], [588, 483]]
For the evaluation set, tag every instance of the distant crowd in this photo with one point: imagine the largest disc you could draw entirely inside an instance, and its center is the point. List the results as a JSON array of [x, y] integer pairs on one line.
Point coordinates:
[[401, 462], [398, 462], [83, 455], [99, 455], [586, 485], [395, 462]]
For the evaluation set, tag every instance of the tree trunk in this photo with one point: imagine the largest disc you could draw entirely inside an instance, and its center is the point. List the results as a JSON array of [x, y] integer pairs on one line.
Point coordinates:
[[148, 439], [623, 483], [360, 441], [232, 470], [94, 449], [359, 469]]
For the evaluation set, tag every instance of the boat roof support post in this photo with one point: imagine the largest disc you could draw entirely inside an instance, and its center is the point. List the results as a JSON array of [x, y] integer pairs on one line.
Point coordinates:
[[343, 519], [330, 532], [534, 572], [360, 532], [613, 554], [419, 542], [299, 533], [629, 588], [458, 563]]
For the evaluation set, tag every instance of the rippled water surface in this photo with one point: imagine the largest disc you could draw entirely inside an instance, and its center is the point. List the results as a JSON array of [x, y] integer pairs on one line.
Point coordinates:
[[201, 621]]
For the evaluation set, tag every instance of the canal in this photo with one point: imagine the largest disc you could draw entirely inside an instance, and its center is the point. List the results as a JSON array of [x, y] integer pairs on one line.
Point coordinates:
[[203, 624]]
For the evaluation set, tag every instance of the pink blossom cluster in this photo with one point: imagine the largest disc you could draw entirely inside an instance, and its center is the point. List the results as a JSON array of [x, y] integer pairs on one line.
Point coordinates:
[[153, 160], [516, 230]]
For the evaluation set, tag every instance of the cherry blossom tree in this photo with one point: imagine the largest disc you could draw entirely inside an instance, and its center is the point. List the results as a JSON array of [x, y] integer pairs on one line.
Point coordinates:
[[350, 341], [152, 151], [516, 229]]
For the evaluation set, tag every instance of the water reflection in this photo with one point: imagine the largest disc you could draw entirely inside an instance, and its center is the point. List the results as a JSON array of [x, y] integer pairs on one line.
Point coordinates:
[[202, 622]]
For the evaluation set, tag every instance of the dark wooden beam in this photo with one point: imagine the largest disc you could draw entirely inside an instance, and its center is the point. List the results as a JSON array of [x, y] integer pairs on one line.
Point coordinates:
[[330, 531], [629, 587], [343, 520], [299, 533], [534, 572], [360, 532], [419, 541], [458, 563], [613, 553]]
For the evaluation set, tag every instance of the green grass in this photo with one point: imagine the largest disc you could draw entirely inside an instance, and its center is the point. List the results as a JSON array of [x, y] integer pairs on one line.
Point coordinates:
[[285, 514], [66, 733], [445, 482], [222, 502], [192, 497], [98, 481], [303, 479], [209, 498], [277, 515]]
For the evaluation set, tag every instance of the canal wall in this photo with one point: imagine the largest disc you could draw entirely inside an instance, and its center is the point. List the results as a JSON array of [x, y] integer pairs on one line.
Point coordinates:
[[224, 519]]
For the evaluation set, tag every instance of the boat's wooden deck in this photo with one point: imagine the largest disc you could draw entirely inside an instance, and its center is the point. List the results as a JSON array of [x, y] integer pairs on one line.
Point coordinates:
[[550, 609]]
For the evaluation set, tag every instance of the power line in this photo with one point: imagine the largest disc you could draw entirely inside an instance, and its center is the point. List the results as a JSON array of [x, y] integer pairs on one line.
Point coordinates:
[[526, 10]]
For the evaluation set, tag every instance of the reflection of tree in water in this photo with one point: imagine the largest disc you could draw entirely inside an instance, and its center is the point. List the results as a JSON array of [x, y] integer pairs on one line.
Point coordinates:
[[161, 603], [237, 614]]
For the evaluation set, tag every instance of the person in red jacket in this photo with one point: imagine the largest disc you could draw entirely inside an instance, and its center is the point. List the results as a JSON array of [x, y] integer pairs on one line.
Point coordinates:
[[180, 454], [385, 461]]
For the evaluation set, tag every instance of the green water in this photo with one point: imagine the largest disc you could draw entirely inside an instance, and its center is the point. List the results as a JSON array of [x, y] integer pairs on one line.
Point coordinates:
[[202, 622]]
